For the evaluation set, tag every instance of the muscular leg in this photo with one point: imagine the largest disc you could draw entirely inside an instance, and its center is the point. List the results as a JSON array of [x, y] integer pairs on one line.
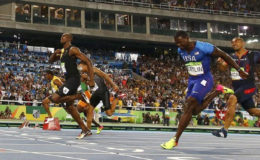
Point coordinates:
[[111, 111], [64, 99], [75, 114], [45, 104], [190, 105], [207, 100], [231, 109], [254, 112], [89, 112], [96, 123]]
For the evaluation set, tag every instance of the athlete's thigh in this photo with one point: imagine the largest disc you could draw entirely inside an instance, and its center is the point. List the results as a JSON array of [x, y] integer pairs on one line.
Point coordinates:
[[248, 103], [95, 99], [244, 92], [190, 86], [69, 87], [106, 100], [201, 88]]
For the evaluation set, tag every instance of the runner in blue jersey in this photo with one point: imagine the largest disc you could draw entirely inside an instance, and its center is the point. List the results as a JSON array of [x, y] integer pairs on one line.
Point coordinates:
[[197, 57], [244, 88]]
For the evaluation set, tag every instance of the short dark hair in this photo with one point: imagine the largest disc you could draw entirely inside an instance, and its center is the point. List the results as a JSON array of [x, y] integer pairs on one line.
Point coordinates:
[[49, 72], [182, 34], [69, 35]]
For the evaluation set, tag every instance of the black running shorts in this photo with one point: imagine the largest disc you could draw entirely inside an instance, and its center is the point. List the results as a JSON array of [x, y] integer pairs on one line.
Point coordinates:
[[69, 87], [101, 95]]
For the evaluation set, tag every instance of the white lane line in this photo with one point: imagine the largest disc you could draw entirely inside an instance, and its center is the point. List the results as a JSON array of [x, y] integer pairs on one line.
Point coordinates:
[[120, 154], [118, 149], [40, 153], [138, 150], [181, 158]]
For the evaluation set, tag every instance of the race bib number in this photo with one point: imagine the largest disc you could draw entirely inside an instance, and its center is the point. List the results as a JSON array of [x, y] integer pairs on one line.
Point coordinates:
[[65, 90], [62, 66], [195, 68], [235, 75]]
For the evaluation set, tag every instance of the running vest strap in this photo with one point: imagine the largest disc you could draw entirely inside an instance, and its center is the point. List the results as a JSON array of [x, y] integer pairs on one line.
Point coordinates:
[[68, 64]]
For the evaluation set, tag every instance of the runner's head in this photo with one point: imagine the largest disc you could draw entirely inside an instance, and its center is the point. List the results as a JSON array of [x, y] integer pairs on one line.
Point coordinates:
[[237, 43], [66, 37], [182, 39], [49, 75]]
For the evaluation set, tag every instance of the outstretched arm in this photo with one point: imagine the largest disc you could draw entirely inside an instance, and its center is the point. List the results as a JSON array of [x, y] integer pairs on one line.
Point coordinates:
[[106, 78], [219, 53], [76, 52]]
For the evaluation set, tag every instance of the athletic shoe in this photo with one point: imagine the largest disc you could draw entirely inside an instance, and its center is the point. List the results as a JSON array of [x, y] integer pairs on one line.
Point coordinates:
[[220, 133], [224, 89], [170, 144], [84, 134], [99, 129]]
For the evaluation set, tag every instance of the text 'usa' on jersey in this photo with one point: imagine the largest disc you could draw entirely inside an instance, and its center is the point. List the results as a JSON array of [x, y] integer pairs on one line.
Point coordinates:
[[246, 63], [69, 64], [198, 60]]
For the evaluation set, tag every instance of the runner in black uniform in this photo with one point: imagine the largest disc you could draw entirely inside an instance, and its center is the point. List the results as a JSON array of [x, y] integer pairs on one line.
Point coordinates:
[[68, 56], [244, 88], [100, 92]]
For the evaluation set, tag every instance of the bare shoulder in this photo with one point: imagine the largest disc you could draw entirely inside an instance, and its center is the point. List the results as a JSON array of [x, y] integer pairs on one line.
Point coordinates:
[[74, 51]]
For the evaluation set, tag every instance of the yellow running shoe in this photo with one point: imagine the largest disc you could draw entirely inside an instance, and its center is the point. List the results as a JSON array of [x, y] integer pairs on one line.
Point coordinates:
[[224, 90], [170, 144], [99, 129]]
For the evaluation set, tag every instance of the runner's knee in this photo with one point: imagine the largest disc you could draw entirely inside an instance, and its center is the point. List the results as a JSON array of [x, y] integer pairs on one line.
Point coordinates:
[[232, 100]]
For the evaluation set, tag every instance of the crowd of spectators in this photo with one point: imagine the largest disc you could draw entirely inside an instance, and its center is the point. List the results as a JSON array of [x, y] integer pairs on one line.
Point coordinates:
[[159, 83], [7, 114], [221, 5], [245, 6]]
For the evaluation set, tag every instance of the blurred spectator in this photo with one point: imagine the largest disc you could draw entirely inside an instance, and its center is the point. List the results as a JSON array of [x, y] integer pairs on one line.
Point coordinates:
[[147, 118], [156, 119], [178, 116], [166, 116], [22, 116], [245, 123], [199, 119], [257, 123], [206, 120], [59, 13], [8, 113], [215, 121]]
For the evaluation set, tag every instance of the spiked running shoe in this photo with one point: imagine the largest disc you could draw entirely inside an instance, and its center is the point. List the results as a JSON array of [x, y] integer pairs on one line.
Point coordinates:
[[84, 134], [99, 129], [224, 89], [170, 144], [220, 133]]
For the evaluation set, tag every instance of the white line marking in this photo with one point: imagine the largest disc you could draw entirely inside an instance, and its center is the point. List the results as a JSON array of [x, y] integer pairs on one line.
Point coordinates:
[[45, 154], [120, 154], [118, 149], [54, 138], [138, 150], [181, 158]]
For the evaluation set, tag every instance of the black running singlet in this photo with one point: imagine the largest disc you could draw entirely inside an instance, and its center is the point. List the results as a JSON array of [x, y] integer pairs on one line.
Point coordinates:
[[100, 83], [68, 64]]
